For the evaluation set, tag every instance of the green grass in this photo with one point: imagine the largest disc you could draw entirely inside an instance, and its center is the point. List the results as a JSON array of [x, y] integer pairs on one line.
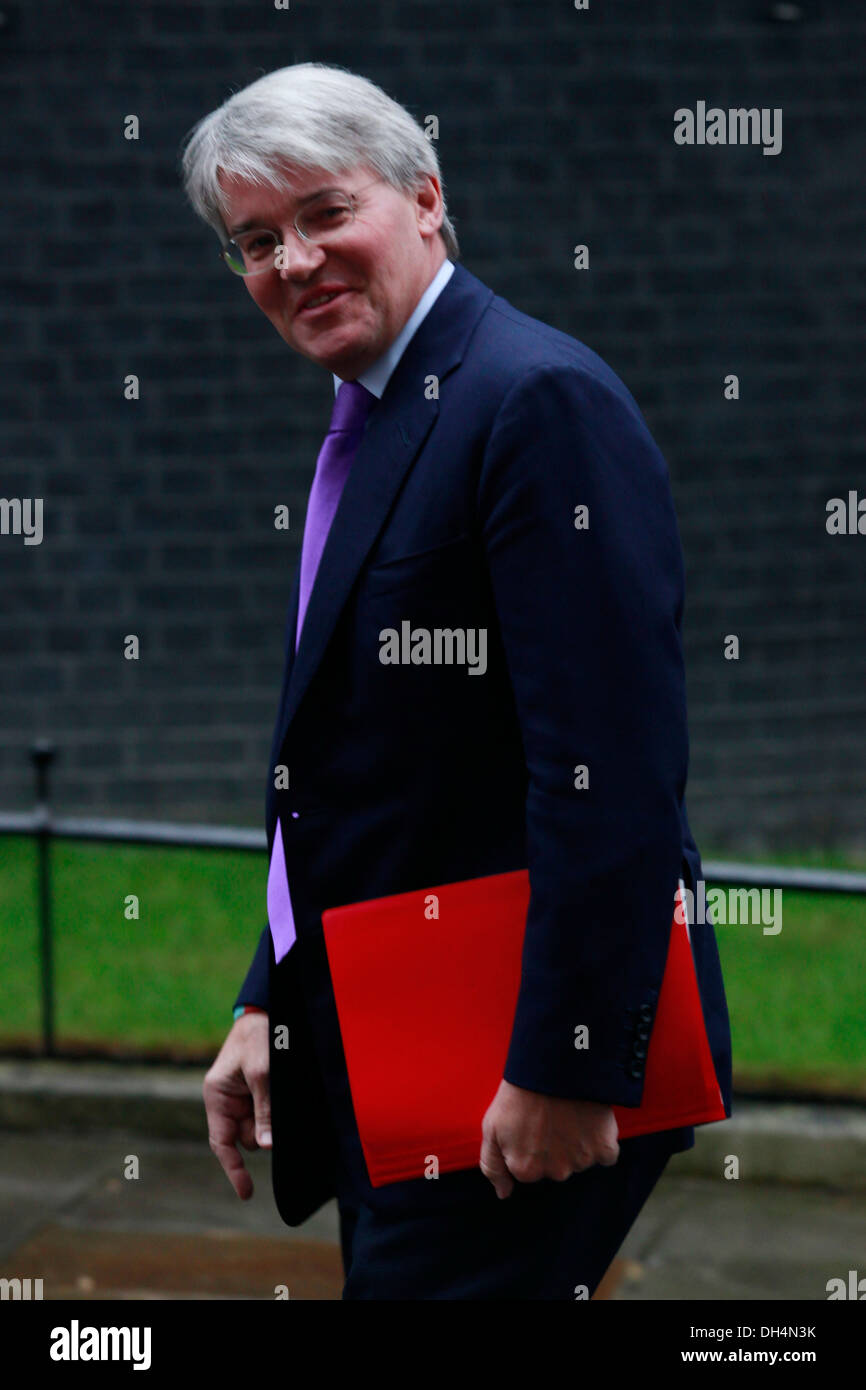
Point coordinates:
[[166, 982], [796, 999]]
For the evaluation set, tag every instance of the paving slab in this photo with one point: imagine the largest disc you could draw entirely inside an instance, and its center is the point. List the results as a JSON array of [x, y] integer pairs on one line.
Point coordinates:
[[136, 1264], [712, 1239], [178, 1230], [80, 1182]]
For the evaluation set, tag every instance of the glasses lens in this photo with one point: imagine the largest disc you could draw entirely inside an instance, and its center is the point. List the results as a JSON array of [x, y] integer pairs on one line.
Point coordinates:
[[326, 216], [251, 253]]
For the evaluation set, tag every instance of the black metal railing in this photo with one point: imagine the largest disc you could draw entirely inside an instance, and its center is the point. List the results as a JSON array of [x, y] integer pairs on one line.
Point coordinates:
[[46, 827]]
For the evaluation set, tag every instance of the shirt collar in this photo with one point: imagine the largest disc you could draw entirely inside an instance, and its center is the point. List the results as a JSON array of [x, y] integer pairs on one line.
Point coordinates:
[[376, 378]]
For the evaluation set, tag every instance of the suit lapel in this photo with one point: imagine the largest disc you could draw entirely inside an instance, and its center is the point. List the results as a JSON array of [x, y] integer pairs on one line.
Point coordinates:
[[395, 433]]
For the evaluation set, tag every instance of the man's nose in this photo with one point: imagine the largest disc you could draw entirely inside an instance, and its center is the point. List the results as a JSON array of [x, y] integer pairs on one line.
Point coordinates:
[[297, 256]]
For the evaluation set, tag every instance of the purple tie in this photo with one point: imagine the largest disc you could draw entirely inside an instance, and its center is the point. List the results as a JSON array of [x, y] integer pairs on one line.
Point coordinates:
[[351, 408]]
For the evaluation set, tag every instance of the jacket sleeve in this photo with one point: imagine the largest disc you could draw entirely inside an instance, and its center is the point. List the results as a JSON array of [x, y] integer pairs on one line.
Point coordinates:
[[590, 623], [254, 989]]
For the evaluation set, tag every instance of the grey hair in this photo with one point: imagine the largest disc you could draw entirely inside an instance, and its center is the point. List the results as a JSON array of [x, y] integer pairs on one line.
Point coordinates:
[[312, 116]]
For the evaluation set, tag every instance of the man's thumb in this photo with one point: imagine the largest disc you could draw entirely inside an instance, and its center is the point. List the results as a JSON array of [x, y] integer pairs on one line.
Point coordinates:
[[262, 1112]]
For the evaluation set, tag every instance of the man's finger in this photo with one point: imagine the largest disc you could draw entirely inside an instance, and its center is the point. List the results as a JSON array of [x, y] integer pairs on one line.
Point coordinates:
[[233, 1167], [494, 1167], [247, 1132]]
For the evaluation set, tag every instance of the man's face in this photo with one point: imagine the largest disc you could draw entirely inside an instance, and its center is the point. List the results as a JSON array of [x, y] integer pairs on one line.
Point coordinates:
[[380, 264]]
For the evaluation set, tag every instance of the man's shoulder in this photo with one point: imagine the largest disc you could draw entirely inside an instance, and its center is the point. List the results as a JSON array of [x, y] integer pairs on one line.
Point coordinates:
[[509, 346]]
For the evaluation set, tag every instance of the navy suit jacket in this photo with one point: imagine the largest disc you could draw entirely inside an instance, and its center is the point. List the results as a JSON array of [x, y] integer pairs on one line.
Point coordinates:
[[459, 512]]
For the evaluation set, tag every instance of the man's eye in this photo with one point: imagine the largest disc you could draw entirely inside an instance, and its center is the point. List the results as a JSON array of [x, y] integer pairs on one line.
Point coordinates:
[[326, 218], [258, 246]]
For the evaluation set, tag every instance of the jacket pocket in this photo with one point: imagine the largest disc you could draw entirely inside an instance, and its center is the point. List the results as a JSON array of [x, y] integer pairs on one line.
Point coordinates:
[[417, 569]]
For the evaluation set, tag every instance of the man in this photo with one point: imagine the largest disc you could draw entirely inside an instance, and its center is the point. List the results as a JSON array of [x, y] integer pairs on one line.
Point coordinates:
[[487, 474]]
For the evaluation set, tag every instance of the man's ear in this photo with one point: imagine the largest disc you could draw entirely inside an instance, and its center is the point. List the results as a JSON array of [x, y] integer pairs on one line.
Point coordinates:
[[428, 204]]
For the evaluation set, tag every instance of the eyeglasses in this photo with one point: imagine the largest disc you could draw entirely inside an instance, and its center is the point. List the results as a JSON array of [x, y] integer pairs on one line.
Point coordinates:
[[321, 221]]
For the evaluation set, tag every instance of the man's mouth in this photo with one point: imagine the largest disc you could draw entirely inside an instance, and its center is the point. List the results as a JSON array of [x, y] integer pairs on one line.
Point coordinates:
[[321, 301]]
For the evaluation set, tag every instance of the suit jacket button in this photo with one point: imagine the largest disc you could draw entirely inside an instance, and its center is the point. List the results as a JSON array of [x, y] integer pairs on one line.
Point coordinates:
[[639, 1053], [642, 1034], [645, 1013], [635, 1070]]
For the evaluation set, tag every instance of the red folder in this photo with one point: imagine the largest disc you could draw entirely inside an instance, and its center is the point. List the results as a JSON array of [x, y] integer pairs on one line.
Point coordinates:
[[426, 1006]]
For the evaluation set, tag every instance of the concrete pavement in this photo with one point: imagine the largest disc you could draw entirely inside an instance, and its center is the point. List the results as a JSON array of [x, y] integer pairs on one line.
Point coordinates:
[[70, 1216]]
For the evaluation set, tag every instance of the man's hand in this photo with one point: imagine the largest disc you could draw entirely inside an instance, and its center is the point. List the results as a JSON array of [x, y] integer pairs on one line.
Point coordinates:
[[527, 1136], [237, 1098]]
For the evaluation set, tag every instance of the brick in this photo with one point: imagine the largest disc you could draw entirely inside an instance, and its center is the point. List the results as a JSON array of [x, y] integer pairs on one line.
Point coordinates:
[[556, 128]]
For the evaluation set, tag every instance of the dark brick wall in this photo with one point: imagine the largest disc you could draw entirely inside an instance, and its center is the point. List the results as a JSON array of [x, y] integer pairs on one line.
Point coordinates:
[[556, 127]]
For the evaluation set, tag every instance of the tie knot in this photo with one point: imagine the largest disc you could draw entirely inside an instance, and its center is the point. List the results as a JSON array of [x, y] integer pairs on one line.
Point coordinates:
[[351, 408]]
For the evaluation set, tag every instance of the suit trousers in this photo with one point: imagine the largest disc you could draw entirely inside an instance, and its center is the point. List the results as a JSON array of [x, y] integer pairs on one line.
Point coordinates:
[[547, 1240]]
